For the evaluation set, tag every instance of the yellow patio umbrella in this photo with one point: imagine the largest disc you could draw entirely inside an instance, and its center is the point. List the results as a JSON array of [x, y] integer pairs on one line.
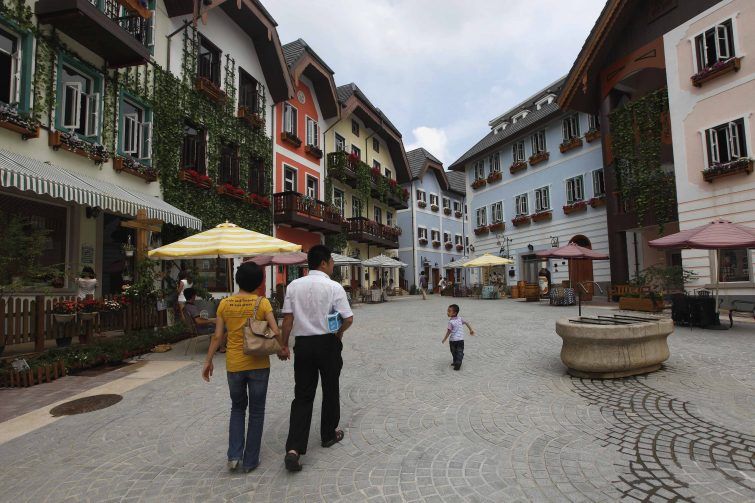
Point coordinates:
[[488, 260], [224, 241]]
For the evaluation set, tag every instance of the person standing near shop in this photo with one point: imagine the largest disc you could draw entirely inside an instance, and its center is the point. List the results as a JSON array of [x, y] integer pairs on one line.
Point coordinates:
[[308, 303], [423, 285]]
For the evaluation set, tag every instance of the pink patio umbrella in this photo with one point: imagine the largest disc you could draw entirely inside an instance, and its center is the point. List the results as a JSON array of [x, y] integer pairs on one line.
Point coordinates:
[[294, 258], [717, 235], [576, 252]]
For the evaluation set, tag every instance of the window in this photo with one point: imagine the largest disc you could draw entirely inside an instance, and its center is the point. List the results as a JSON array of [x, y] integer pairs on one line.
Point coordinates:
[[312, 187], [356, 207], [457, 206], [355, 150], [570, 127], [313, 133], [458, 240], [421, 195], [726, 142], [257, 176], [289, 179], [542, 199], [388, 173], [435, 235], [446, 237], [213, 273], [446, 203], [389, 218], [422, 233], [733, 265], [251, 93], [375, 145], [81, 103], [575, 190], [193, 150], [339, 199], [433, 199], [593, 124], [714, 45], [229, 164], [496, 212], [482, 217], [495, 163], [136, 131], [521, 205], [518, 151], [545, 101], [479, 170], [340, 143], [521, 115], [376, 165], [538, 142], [354, 127], [10, 68], [290, 118], [208, 66], [598, 183], [378, 215]]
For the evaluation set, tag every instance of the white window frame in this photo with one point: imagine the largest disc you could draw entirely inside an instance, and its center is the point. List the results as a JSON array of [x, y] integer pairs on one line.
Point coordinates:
[[592, 122], [447, 237], [290, 118], [290, 183], [377, 214], [77, 94], [433, 199], [446, 202], [356, 204], [723, 53], [313, 132], [315, 189], [339, 200], [421, 232], [14, 94], [130, 141], [713, 147], [538, 142], [421, 195], [339, 142], [518, 151], [575, 189], [479, 169], [598, 181], [389, 218], [457, 206], [496, 212], [388, 174], [434, 233], [542, 199], [570, 127], [522, 205], [458, 239], [481, 217]]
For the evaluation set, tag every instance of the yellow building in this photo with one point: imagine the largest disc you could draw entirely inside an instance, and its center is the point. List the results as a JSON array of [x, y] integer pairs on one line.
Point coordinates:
[[366, 166]]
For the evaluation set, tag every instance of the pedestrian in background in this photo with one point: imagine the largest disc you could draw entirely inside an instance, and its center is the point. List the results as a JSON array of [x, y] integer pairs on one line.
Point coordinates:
[[423, 285]]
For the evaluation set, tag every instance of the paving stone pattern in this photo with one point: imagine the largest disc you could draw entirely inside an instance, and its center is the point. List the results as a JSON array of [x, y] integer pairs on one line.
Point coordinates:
[[510, 426]]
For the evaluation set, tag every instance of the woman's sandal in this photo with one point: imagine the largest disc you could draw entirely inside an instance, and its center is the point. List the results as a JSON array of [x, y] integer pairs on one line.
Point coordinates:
[[292, 462], [333, 441]]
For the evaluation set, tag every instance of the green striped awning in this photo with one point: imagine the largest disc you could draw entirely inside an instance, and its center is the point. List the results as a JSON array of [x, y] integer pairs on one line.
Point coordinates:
[[26, 174]]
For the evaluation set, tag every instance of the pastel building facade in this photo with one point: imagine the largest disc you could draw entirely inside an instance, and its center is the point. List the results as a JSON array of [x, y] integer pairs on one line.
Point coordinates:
[[711, 84], [535, 181], [434, 227]]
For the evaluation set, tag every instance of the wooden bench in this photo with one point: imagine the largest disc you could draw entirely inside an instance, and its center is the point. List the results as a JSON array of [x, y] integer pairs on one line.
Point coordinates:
[[741, 306]]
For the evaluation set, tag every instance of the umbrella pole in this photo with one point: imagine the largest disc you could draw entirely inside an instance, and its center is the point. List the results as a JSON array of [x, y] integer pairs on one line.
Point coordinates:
[[715, 271]]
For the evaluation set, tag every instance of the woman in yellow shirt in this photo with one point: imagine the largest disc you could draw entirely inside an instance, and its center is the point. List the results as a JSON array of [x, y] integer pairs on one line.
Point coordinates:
[[247, 374]]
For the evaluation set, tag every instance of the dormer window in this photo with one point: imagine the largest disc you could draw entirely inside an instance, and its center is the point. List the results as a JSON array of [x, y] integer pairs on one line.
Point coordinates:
[[500, 127], [547, 100], [521, 115]]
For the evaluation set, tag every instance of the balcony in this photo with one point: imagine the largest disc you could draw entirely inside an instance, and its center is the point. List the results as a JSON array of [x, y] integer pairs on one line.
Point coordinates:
[[296, 210], [342, 167], [362, 230], [98, 26]]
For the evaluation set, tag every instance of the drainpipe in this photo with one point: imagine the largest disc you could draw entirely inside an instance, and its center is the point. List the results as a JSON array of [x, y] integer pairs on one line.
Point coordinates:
[[414, 232], [170, 38]]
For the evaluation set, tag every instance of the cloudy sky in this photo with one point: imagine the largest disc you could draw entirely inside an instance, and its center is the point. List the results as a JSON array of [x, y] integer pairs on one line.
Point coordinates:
[[441, 69]]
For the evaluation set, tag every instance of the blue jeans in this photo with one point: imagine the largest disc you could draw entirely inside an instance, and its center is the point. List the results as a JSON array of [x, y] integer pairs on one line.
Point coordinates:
[[248, 387]]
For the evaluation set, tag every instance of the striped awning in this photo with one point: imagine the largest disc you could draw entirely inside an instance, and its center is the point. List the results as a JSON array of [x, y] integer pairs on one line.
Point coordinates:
[[23, 173]]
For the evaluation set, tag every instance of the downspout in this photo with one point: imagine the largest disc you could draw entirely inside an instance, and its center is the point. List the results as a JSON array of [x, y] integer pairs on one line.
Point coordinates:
[[414, 232]]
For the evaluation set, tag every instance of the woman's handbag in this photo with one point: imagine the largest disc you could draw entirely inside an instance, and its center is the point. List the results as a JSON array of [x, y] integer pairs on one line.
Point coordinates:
[[259, 340]]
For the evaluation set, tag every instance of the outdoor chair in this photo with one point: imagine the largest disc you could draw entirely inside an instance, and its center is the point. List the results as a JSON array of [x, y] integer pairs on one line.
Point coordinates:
[[742, 308], [195, 335]]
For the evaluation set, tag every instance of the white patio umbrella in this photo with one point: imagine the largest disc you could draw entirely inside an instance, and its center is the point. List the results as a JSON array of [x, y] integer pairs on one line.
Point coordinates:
[[339, 259], [383, 262]]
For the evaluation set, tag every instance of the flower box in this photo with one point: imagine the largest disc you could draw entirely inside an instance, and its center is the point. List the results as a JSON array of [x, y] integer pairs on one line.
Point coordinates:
[[436, 244], [542, 216], [421, 204], [494, 176], [255, 120], [135, 168], [448, 245], [497, 226], [20, 123], [63, 318], [592, 135], [37, 375], [520, 220], [195, 178], [570, 144], [291, 139], [598, 201], [728, 169], [481, 230], [645, 304], [539, 157], [716, 70], [480, 182], [313, 151], [517, 167], [258, 200], [210, 90], [422, 241], [434, 207], [446, 211], [459, 248], [457, 214], [68, 141], [575, 207], [231, 191]]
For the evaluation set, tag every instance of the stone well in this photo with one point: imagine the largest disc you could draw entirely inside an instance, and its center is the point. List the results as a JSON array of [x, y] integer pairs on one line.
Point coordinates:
[[613, 347]]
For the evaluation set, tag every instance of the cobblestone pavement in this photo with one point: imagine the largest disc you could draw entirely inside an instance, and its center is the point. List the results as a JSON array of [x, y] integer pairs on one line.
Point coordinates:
[[510, 426]]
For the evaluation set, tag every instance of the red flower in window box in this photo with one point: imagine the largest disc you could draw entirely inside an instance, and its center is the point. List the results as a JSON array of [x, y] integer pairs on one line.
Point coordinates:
[[436, 244], [392, 183], [449, 245], [457, 214], [353, 160], [193, 173], [405, 194], [574, 207], [422, 241], [459, 247], [598, 201], [517, 166], [375, 171], [480, 182], [481, 230], [264, 201], [498, 226], [421, 204], [520, 220], [718, 68]]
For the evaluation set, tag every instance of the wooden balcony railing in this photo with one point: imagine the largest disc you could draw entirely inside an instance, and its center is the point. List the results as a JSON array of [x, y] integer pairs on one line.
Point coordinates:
[[363, 230], [297, 210]]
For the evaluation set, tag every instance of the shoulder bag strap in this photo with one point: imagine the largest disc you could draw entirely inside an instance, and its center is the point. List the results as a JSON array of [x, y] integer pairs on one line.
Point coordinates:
[[254, 314]]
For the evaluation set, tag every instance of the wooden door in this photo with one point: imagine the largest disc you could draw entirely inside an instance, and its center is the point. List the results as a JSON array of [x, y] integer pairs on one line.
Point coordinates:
[[581, 270], [436, 279], [450, 275]]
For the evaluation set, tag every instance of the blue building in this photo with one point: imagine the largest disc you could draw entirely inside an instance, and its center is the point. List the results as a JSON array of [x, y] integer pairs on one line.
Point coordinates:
[[436, 223], [536, 181]]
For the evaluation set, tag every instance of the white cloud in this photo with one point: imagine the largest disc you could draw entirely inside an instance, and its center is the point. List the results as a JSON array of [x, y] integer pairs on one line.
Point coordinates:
[[433, 140]]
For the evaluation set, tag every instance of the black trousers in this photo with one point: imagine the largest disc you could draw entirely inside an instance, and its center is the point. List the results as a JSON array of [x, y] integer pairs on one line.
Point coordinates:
[[457, 351], [313, 355]]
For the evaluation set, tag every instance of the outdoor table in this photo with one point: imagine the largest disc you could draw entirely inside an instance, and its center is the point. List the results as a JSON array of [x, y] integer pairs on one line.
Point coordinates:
[[376, 295]]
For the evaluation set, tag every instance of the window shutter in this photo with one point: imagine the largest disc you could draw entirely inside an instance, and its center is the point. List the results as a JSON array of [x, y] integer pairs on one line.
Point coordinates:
[[713, 144], [146, 151], [704, 45], [130, 134], [565, 129], [150, 29], [93, 114], [734, 141], [722, 42], [72, 92], [309, 131], [316, 129], [15, 92]]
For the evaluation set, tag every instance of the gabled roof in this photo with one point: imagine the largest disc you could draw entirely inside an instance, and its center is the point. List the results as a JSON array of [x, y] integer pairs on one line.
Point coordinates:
[[354, 101], [420, 160], [252, 17], [303, 60], [457, 182]]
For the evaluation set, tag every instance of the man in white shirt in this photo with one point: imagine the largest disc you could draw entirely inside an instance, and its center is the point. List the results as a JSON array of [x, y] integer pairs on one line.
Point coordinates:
[[308, 302]]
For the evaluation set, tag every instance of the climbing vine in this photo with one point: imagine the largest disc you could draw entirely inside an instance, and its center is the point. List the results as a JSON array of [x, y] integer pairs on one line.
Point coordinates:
[[364, 183], [636, 132]]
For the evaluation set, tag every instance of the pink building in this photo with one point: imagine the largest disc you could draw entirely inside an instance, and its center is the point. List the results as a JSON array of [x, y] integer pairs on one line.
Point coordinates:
[[711, 89]]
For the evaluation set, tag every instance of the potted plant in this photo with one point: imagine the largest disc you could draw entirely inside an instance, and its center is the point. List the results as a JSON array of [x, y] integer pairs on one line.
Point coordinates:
[[570, 144], [494, 176], [449, 245], [520, 220], [480, 182], [598, 201], [459, 247], [481, 230], [436, 244], [539, 157], [434, 207], [422, 241], [88, 309], [421, 204], [446, 211], [497, 226], [574, 207], [592, 135], [457, 214], [64, 311], [129, 248], [518, 166]]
